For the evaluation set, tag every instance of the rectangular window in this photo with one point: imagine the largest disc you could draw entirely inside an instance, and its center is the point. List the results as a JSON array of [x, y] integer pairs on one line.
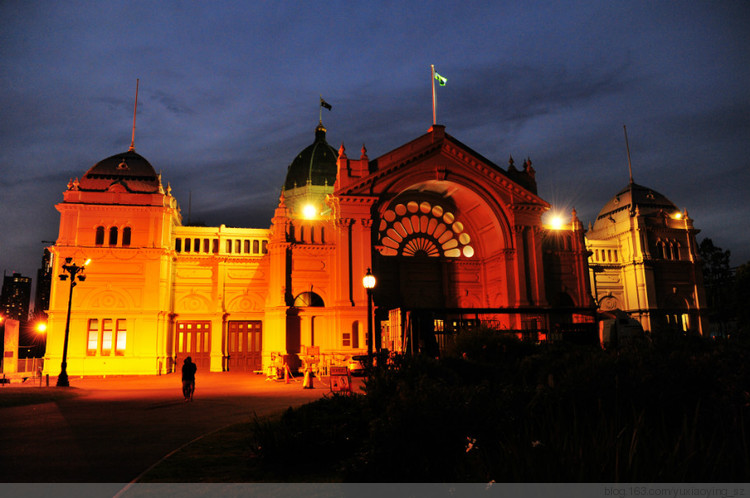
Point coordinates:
[[187, 245], [247, 246], [229, 246], [237, 246], [93, 337], [121, 334], [106, 336], [206, 245], [216, 246], [256, 247], [178, 245], [347, 342]]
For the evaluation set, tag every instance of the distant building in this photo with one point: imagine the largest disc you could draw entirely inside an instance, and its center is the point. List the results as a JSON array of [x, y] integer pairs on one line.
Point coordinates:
[[644, 261], [43, 284], [15, 297], [453, 239]]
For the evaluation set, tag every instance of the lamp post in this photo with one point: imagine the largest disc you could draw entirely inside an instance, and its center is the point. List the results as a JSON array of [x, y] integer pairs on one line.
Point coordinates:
[[369, 281], [75, 272]]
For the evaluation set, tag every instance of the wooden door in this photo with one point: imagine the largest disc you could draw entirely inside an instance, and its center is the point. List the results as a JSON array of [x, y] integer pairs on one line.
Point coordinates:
[[244, 345], [193, 338]]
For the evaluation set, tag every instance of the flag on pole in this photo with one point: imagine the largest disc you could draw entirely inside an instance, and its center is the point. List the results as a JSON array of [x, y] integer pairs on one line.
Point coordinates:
[[441, 80], [325, 104]]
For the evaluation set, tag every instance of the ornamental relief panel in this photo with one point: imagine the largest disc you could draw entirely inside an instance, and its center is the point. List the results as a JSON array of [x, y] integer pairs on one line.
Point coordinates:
[[193, 303], [245, 303]]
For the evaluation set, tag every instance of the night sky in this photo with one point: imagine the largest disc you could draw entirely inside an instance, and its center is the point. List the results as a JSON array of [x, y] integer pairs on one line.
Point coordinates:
[[229, 94]]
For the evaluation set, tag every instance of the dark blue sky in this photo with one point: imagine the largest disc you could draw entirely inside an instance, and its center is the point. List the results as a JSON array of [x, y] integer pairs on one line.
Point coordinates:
[[229, 93]]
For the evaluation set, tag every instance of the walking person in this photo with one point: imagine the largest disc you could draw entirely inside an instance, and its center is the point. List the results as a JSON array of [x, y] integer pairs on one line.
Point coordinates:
[[188, 378]]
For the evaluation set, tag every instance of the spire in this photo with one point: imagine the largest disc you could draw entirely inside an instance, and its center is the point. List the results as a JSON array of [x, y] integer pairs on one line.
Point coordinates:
[[627, 147], [135, 109]]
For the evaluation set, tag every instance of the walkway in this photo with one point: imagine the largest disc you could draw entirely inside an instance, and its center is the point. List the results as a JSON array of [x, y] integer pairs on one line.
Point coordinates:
[[120, 426]]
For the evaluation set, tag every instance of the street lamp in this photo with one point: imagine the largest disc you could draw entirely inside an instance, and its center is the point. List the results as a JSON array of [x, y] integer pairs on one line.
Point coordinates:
[[369, 281], [75, 272]]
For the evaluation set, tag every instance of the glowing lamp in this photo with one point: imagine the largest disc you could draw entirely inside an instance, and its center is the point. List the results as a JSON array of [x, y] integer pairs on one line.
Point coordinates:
[[41, 327], [369, 281], [557, 222], [678, 215], [309, 212]]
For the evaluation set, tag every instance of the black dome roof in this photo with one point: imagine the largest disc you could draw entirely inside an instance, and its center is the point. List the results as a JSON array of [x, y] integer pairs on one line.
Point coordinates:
[[316, 164], [128, 168]]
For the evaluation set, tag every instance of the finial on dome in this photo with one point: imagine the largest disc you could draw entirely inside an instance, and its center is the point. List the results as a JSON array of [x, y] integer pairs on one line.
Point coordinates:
[[364, 152]]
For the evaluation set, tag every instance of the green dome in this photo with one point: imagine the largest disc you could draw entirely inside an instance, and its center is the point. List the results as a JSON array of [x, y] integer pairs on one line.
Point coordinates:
[[316, 164]]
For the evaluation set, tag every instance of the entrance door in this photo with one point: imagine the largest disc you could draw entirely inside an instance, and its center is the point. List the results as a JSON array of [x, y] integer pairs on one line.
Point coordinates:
[[244, 345], [194, 340]]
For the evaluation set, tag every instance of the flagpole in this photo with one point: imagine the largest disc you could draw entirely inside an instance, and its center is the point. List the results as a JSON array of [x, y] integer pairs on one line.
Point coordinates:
[[432, 68]]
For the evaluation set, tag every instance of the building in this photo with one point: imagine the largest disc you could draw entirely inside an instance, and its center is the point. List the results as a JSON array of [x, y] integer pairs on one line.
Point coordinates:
[[43, 285], [452, 238], [644, 261], [15, 297]]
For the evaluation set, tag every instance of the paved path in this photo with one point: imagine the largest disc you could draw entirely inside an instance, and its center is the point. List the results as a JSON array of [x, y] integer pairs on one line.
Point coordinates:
[[121, 426]]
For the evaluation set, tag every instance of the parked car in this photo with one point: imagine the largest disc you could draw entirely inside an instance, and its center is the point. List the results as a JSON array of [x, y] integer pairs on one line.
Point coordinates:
[[357, 364]]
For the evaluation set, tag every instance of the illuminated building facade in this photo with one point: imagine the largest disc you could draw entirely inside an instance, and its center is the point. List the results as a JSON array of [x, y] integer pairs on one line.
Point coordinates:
[[644, 260], [452, 239]]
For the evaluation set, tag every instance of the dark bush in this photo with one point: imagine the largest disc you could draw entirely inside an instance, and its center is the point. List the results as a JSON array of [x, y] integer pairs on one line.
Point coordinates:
[[668, 410]]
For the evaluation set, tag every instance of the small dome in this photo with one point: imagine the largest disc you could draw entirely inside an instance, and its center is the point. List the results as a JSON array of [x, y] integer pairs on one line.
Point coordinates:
[[316, 164], [129, 169], [647, 200]]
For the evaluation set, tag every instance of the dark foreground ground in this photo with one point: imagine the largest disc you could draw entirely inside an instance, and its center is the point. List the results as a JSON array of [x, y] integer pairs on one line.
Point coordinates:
[[118, 427]]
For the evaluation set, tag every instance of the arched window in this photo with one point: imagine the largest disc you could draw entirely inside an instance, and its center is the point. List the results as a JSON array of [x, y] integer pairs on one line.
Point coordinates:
[[423, 230], [126, 236], [308, 299], [99, 236], [113, 236]]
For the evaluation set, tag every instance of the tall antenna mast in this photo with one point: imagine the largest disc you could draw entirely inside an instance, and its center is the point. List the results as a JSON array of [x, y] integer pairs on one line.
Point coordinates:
[[135, 109], [627, 147]]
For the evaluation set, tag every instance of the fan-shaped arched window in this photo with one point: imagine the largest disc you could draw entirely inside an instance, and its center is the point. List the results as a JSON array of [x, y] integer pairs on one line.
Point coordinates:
[[308, 299], [423, 229]]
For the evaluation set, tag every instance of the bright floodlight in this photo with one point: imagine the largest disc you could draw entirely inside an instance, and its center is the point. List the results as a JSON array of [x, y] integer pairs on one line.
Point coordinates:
[[557, 222], [41, 327], [309, 212]]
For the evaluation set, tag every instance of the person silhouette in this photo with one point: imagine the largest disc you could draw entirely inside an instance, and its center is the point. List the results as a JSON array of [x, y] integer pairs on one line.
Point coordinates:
[[188, 378]]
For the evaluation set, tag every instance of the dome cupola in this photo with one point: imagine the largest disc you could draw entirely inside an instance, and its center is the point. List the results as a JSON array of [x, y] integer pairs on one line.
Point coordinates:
[[311, 177]]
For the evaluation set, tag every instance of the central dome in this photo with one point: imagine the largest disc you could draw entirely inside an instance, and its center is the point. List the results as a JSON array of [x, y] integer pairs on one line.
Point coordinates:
[[129, 169], [315, 165]]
